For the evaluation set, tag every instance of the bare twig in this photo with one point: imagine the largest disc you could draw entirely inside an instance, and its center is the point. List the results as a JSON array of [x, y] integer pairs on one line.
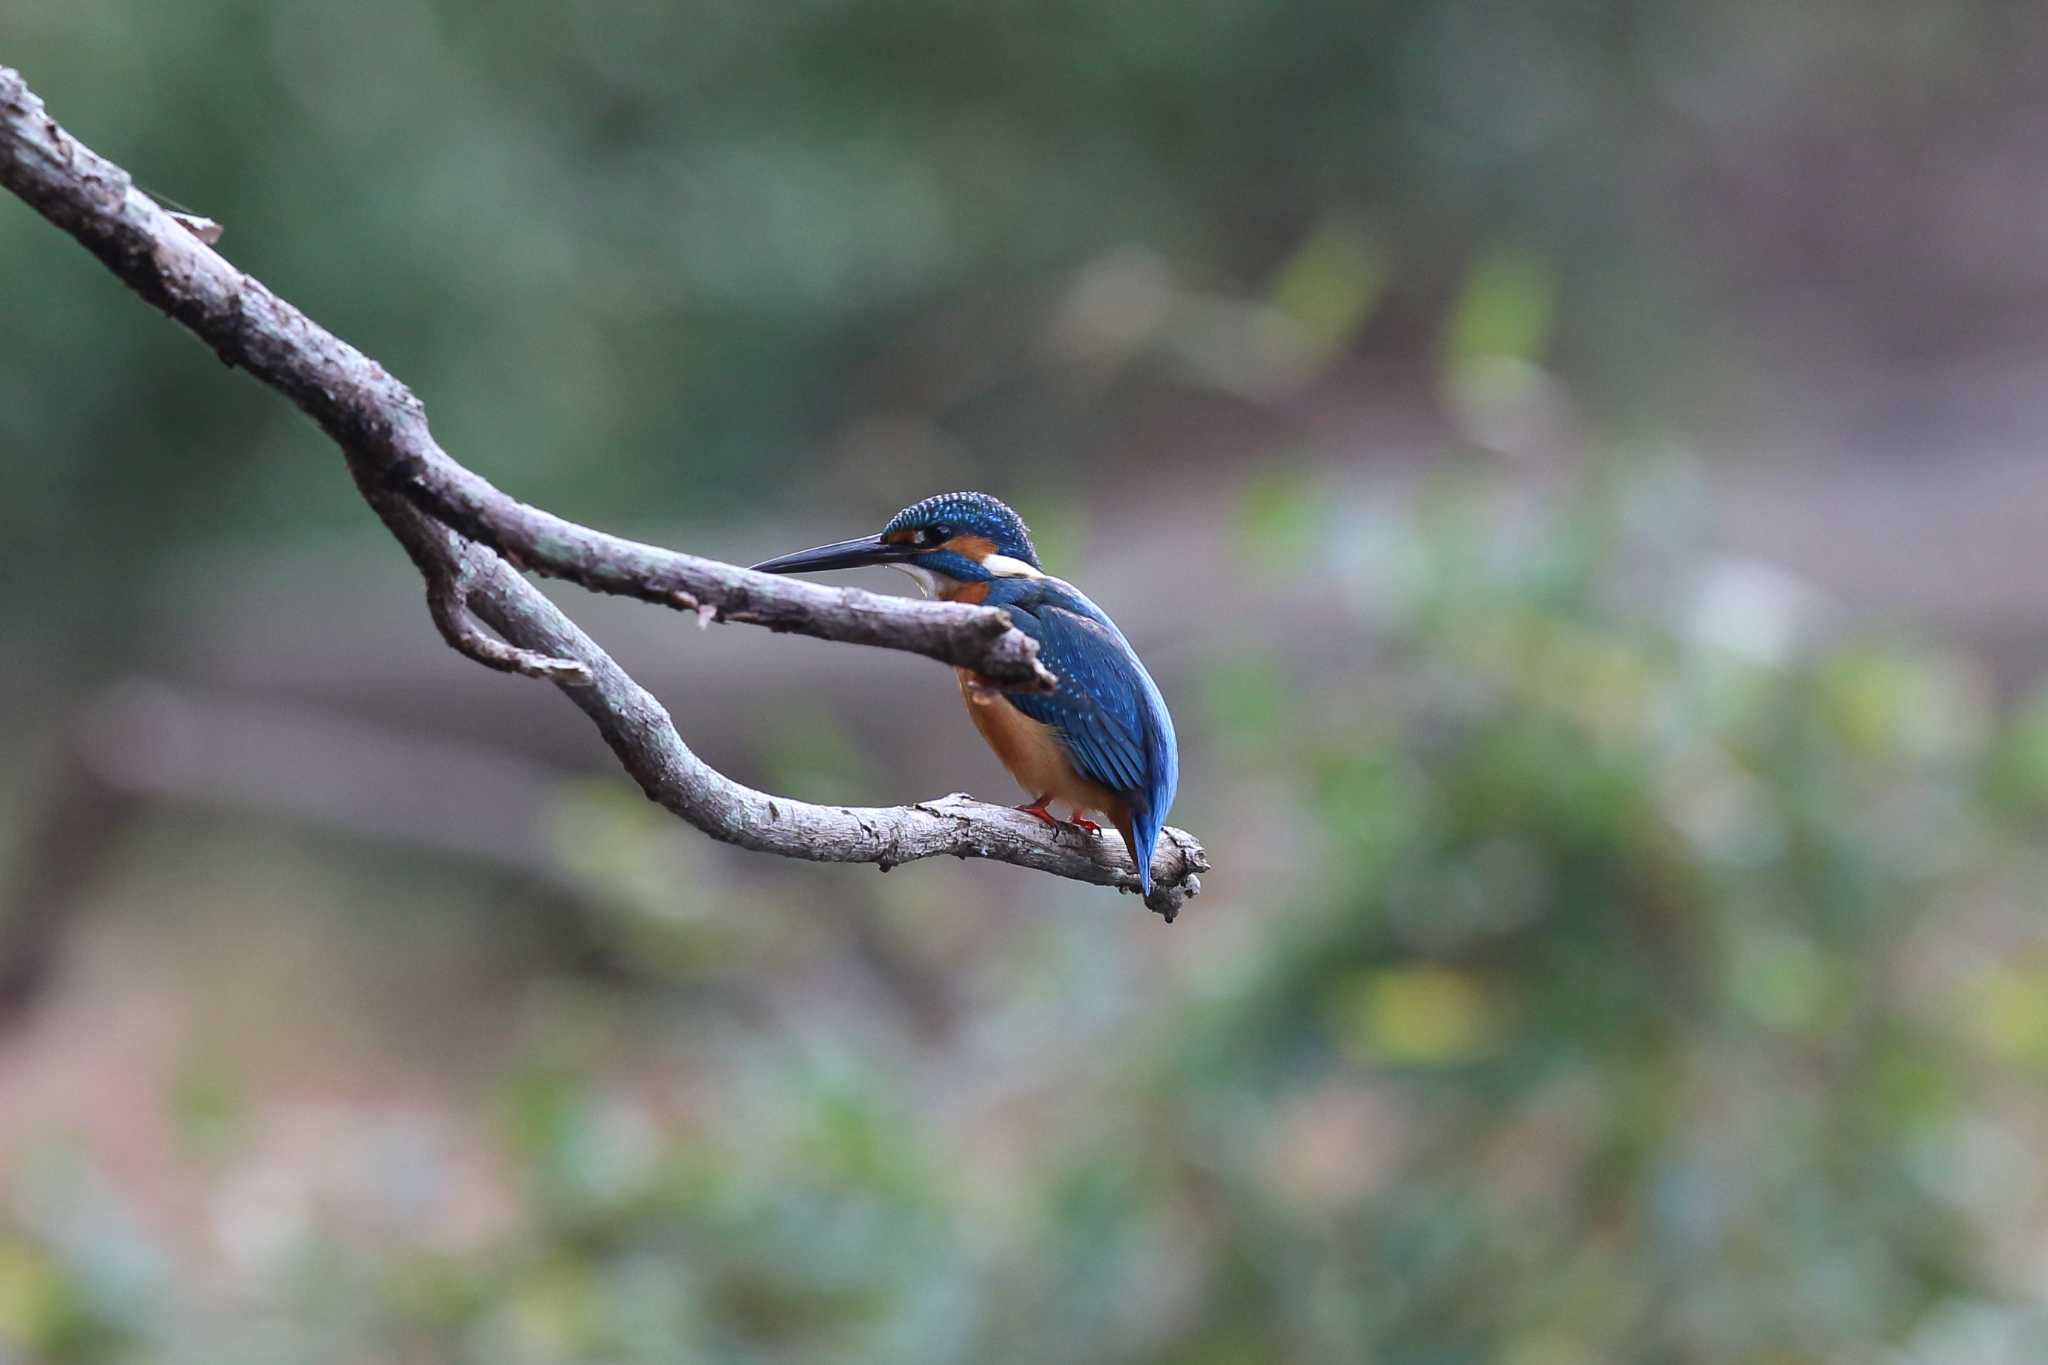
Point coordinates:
[[448, 604], [381, 428], [205, 229], [450, 581]]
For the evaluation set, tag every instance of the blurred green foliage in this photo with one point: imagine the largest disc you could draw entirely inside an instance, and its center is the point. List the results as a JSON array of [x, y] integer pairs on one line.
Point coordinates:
[[637, 256], [1649, 973], [1641, 1001]]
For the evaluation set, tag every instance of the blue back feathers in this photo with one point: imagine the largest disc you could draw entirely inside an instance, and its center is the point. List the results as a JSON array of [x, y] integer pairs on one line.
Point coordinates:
[[1107, 712]]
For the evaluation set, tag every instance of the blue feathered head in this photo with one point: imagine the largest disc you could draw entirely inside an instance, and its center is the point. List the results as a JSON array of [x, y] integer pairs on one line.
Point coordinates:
[[959, 520]]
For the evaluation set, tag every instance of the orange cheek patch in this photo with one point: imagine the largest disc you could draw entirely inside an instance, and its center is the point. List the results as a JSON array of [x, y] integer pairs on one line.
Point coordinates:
[[899, 537], [976, 548]]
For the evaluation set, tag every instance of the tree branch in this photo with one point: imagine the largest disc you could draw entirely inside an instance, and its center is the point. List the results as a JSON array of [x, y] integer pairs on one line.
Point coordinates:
[[462, 551]]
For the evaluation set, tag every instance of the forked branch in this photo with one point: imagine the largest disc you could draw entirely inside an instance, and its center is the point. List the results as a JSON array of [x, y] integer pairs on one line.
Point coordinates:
[[465, 536]]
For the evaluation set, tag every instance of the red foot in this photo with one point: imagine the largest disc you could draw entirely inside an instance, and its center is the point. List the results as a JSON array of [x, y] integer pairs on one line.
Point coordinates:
[[1038, 809]]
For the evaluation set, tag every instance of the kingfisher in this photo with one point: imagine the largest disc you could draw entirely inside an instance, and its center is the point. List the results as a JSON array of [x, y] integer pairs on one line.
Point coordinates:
[[1102, 742]]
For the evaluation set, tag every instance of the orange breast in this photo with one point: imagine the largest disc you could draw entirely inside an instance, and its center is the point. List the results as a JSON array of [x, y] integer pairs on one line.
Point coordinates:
[[1032, 752]]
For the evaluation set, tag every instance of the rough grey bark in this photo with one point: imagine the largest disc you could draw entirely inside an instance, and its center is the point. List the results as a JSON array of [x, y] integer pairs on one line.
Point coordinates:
[[465, 536]]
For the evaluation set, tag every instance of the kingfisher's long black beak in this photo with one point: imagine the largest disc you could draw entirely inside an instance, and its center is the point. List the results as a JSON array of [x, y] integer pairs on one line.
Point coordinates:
[[844, 554]]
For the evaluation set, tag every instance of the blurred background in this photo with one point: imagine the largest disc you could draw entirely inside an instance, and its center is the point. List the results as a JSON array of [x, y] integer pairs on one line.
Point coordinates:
[[1573, 467]]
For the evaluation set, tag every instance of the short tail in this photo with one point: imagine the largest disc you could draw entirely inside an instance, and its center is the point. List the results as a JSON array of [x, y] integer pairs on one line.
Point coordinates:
[[1140, 829]]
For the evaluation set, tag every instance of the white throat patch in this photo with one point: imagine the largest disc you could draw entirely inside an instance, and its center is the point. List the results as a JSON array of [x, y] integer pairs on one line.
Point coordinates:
[[1002, 566], [924, 578]]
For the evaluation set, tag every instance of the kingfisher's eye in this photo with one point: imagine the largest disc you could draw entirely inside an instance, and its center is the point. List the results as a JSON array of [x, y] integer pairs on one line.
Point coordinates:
[[935, 535]]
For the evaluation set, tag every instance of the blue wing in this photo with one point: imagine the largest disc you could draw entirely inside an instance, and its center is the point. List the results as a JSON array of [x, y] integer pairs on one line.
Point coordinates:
[[1107, 712]]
